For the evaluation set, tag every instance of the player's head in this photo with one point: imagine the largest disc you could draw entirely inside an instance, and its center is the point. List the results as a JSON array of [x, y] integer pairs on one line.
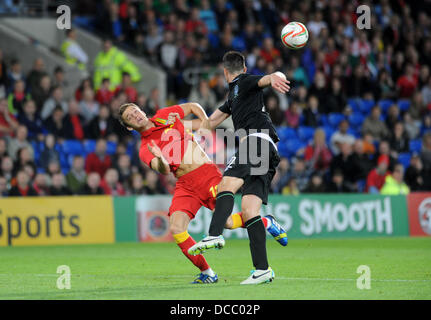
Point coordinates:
[[233, 64], [132, 117]]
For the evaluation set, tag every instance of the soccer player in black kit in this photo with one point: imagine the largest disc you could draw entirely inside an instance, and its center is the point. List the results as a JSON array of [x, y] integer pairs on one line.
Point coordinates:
[[252, 167]]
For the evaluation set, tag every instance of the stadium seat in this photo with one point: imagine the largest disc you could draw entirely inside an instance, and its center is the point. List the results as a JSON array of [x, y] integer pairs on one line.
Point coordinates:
[[323, 120], [111, 147], [354, 104], [286, 133], [385, 104], [415, 145], [404, 105], [74, 147], [366, 105], [89, 146], [334, 119], [305, 133], [356, 119], [329, 131], [282, 150], [404, 159], [293, 146]]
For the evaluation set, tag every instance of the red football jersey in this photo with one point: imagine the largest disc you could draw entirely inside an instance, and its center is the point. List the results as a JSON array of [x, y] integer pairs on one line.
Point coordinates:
[[171, 139]]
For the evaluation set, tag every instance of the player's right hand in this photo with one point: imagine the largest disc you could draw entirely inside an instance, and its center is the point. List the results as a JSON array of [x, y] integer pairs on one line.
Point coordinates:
[[279, 82]]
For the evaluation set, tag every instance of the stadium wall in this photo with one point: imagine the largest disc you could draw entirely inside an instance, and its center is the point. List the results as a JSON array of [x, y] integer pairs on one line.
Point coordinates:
[[105, 219]]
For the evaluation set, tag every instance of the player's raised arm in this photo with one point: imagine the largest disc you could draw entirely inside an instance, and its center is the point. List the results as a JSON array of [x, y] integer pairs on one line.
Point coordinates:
[[214, 120], [277, 80], [197, 110], [158, 163]]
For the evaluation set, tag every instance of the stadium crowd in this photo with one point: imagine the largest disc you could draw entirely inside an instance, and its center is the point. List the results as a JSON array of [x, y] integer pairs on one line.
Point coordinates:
[[358, 117]]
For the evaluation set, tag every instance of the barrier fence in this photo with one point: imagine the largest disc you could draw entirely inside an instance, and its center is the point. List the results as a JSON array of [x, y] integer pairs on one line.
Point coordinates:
[[105, 219]]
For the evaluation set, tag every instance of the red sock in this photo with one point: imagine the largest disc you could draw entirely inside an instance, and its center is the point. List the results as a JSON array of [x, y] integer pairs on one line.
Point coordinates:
[[199, 260], [265, 222]]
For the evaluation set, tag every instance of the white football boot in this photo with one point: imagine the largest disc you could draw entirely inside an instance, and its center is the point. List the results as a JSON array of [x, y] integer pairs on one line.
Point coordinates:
[[260, 276]]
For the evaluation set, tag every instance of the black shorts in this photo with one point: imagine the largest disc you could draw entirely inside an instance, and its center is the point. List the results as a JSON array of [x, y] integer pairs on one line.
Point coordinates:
[[255, 162]]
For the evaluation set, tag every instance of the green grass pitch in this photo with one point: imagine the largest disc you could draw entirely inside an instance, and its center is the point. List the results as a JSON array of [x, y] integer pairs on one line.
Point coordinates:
[[306, 269]]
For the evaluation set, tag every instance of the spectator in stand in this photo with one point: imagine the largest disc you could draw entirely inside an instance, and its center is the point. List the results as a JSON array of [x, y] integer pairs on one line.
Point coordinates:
[[59, 80], [17, 98], [124, 169], [300, 173], [58, 186], [35, 74], [281, 176], [415, 174], [49, 152], [426, 151], [4, 190], [85, 84], [127, 87], [15, 74], [268, 51], [7, 168], [31, 120], [399, 141], [74, 121], [385, 149], [152, 183], [73, 52], [98, 161], [426, 93], [394, 184], [22, 188], [56, 124], [426, 125], [205, 96], [374, 126], [41, 92], [341, 136], [393, 117], [337, 184], [56, 100], [102, 126], [40, 184], [317, 154], [336, 100], [376, 177], [311, 112], [19, 142], [153, 103], [24, 158], [104, 94], [76, 177], [315, 184], [92, 187], [407, 83], [137, 184], [111, 63], [8, 123], [3, 148], [273, 108], [88, 105], [292, 115], [361, 163], [3, 75], [344, 162], [110, 183], [411, 127], [291, 188]]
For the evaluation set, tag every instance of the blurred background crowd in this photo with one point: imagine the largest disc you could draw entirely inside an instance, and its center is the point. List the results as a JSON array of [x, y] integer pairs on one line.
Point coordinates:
[[358, 117]]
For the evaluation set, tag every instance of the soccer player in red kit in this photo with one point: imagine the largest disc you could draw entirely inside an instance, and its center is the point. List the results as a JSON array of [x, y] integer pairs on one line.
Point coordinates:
[[167, 145]]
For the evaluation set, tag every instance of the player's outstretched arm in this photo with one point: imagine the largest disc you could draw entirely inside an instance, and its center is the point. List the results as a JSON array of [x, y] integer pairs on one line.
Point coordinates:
[[214, 120], [158, 163], [197, 110], [277, 80]]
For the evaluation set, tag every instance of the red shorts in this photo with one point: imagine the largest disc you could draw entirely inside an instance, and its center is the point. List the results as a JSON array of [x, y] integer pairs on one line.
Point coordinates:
[[196, 189]]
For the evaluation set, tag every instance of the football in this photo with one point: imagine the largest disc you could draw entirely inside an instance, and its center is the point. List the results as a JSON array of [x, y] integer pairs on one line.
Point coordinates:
[[294, 35]]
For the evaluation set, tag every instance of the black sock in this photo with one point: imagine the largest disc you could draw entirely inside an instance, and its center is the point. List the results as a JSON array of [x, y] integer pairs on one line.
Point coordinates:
[[257, 235], [223, 209]]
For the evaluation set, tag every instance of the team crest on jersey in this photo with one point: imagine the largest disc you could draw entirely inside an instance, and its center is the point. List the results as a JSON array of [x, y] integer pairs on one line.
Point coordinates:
[[235, 91]]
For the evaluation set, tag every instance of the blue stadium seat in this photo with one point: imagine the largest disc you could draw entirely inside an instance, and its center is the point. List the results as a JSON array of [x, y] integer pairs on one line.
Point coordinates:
[[282, 150], [335, 118], [354, 132], [74, 147], [111, 147], [366, 105], [385, 104], [415, 145], [89, 146], [329, 131], [323, 120], [354, 104], [286, 133], [305, 133], [294, 145], [356, 119], [404, 159], [404, 105]]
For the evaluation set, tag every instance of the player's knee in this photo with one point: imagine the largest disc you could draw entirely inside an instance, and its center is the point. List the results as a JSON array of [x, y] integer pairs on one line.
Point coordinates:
[[230, 184], [249, 212], [176, 228]]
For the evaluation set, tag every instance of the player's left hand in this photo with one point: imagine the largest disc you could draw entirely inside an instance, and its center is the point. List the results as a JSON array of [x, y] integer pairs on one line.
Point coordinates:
[[172, 117], [279, 82]]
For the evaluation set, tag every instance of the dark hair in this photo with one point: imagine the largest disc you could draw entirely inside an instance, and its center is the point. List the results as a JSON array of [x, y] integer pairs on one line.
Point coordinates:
[[122, 109], [233, 61]]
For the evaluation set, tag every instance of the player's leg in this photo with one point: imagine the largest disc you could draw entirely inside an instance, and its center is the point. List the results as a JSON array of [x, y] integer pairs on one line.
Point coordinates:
[[178, 225], [251, 205]]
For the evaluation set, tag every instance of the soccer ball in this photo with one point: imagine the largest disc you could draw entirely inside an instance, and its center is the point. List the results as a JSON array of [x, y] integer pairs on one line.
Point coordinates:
[[294, 35]]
